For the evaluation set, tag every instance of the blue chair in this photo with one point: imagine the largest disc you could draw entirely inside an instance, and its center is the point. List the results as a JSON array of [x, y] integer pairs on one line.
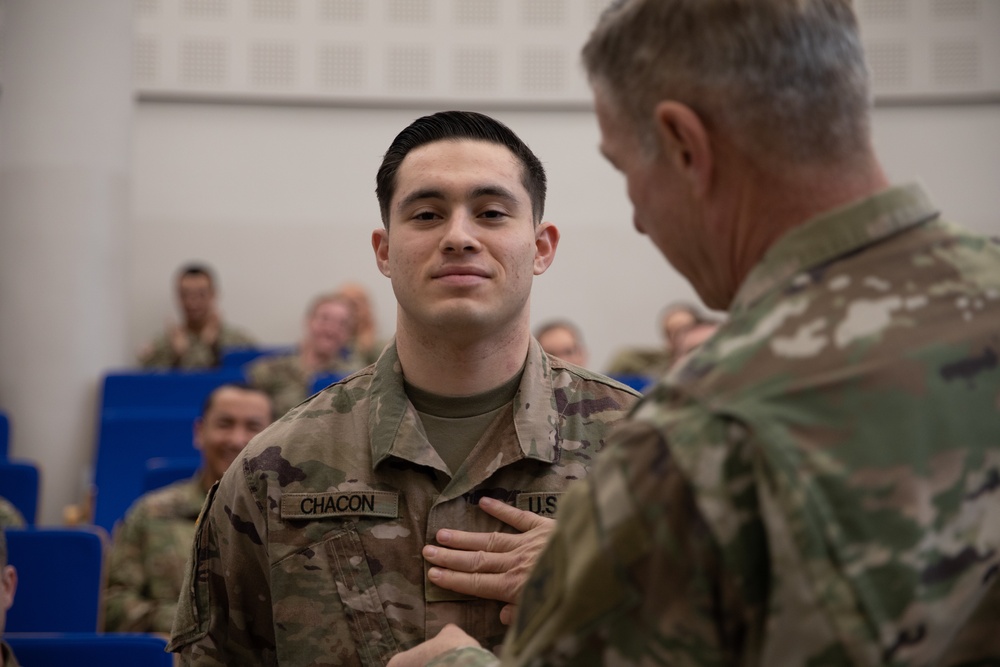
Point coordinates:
[[125, 442], [321, 382], [638, 382], [19, 483], [237, 357], [4, 435], [60, 575], [165, 470], [159, 390], [89, 649]]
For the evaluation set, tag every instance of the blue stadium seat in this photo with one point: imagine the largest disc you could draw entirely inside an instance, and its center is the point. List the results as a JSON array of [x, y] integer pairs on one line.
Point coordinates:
[[4, 435], [237, 357], [89, 649], [19, 483], [60, 579], [638, 382], [165, 470], [158, 390], [321, 382], [127, 439]]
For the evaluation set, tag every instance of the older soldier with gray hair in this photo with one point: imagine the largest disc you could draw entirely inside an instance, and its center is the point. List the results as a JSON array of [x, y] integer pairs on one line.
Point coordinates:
[[309, 550], [818, 483]]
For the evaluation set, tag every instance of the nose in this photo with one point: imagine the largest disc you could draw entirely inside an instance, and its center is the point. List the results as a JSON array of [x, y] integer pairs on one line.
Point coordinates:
[[460, 234], [241, 437]]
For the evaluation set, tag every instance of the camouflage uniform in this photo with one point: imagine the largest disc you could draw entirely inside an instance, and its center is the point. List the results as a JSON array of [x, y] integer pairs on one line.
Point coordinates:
[[149, 558], [309, 549], [283, 379], [818, 485], [198, 355], [10, 516], [9, 659]]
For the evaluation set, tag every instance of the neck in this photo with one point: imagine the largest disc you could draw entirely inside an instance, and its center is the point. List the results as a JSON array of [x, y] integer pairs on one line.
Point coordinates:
[[765, 204], [311, 359], [448, 366]]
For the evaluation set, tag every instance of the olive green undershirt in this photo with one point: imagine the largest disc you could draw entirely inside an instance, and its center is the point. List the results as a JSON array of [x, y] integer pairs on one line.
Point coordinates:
[[454, 424]]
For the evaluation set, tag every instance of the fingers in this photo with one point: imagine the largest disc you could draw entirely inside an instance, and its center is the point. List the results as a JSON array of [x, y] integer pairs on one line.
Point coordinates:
[[507, 613], [490, 586], [510, 515], [469, 561]]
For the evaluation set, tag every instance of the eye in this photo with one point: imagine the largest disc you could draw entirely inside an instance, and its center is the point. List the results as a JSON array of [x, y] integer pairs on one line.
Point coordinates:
[[425, 215], [493, 214]]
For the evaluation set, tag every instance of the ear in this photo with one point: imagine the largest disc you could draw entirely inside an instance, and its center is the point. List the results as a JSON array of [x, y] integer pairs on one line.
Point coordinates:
[[8, 586], [684, 139], [380, 244], [198, 424], [546, 240]]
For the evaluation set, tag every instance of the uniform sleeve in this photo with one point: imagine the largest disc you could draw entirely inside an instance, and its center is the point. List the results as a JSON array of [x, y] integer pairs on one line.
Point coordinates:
[[158, 354], [631, 575], [224, 612], [126, 607]]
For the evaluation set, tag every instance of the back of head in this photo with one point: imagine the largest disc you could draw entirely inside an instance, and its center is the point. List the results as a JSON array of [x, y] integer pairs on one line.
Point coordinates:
[[455, 126], [784, 79]]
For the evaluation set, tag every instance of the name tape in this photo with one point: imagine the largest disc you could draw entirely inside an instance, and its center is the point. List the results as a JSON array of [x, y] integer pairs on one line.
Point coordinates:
[[340, 503], [540, 502]]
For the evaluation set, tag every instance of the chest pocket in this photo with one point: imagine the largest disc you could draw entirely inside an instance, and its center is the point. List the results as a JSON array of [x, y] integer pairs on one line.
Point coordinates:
[[327, 608]]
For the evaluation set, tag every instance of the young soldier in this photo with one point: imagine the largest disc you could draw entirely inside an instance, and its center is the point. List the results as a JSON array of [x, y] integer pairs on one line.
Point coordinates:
[[309, 551]]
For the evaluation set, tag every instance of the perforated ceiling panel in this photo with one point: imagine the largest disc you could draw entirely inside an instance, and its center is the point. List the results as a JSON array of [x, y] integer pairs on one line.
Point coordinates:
[[521, 52]]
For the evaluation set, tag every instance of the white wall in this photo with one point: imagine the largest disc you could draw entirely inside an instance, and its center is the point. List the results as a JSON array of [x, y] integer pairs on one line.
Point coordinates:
[[280, 199]]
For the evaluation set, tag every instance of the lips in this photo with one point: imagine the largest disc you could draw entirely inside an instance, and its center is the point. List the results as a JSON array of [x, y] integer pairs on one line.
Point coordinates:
[[472, 271]]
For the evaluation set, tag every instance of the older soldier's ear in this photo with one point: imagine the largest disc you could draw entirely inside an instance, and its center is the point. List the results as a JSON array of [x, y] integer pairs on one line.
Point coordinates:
[[684, 141], [380, 244]]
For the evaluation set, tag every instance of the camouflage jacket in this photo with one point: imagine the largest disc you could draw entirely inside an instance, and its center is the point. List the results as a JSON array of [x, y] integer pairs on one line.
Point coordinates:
[[10, 516], [283, 379], [160, 354], [149, 557], [309, 550], [818, 485], [7, 655]]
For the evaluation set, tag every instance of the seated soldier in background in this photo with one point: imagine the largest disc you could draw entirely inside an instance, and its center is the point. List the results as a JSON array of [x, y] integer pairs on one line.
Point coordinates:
[[675, 320], [367, 344], [329, 327], [8, 585], [153, 543], [201, 339], [563, 339], [10, 516]]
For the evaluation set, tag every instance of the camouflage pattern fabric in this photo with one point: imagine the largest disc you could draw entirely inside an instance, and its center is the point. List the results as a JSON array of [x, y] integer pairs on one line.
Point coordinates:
[[308, 552], [10, 516], [149, 558], [198, 355], [9, 659], [652, 363], [283, 379], [818, 485]]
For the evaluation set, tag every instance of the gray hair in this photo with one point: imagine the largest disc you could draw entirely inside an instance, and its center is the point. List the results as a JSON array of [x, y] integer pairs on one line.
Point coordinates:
[[784, 79]]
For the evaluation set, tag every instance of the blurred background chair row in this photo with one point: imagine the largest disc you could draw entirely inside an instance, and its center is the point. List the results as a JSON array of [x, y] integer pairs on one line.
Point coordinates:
[[89, 650]]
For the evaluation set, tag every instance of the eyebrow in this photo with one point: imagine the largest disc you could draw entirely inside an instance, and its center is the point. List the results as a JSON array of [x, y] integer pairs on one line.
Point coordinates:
[[475, 193]]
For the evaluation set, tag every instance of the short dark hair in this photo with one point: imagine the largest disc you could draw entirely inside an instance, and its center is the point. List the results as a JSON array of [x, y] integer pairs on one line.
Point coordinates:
[[196, 269], [456, 125], [240, 386]]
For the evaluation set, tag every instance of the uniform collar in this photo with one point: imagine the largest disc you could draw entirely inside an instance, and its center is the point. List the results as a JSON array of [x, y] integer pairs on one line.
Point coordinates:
[[832, 235], [535, 412]]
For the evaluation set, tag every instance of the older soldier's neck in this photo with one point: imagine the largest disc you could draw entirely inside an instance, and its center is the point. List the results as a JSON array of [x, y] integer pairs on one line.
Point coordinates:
[[761, 205], [461, 365]]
